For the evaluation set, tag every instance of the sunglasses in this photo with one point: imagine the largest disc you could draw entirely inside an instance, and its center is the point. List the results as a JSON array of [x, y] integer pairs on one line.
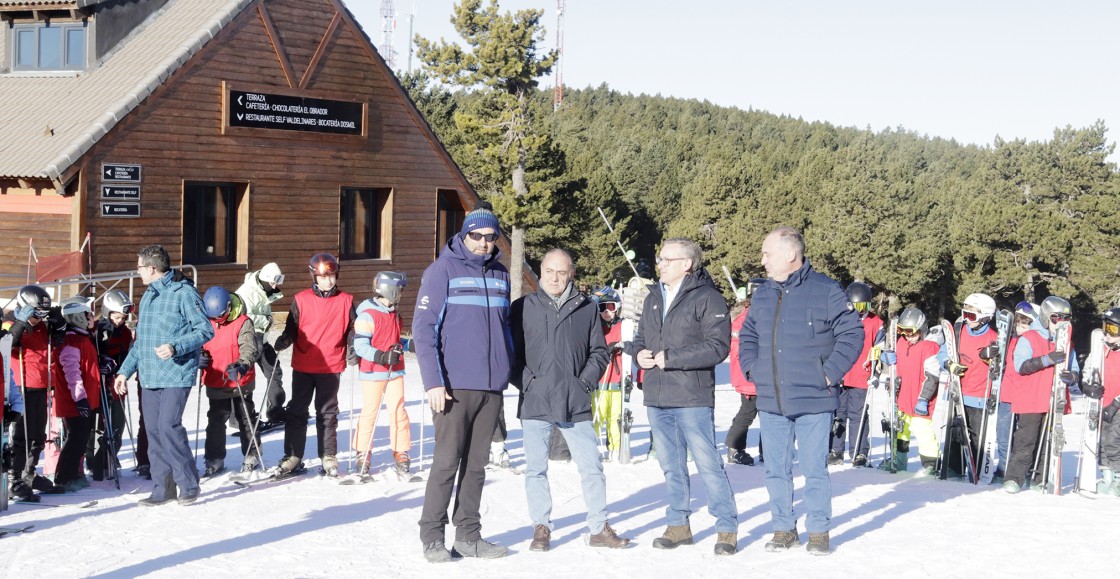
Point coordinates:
[[907, 332], [489, 237], [1111, 329], [608, 307], [861, 307]]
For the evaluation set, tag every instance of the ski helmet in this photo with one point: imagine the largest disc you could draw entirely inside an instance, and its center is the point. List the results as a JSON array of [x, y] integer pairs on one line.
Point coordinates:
[[115, 301], [859, 295], [271, 273], [606, 294], [1111, 322], [1055, 306], [1027, 310], [911, 321], [981, 307], [323, 264], [216, 303], [35, 296], [77, 313], [389, 285]]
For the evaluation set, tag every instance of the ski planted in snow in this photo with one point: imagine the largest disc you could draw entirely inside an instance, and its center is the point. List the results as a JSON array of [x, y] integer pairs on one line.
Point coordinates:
[[988, 424], [889, 421], [1088, 459], [956, 426]]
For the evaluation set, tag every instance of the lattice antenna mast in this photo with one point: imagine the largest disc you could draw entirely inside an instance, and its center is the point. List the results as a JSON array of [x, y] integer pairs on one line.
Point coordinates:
[[558, 78], [388, 25], [411, 21]]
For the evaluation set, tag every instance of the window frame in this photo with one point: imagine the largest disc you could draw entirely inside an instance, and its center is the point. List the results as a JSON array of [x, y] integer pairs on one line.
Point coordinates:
[[63, 47], [236, 230], [379, 213]]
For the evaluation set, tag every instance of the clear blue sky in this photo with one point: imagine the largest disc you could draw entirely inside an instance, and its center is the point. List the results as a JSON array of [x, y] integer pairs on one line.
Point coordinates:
[[968, 70]]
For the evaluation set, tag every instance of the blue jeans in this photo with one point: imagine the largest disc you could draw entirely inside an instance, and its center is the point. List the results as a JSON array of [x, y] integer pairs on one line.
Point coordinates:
[[169, 451], [1004, 419], [677, 431], [812, 433], [584, 445]]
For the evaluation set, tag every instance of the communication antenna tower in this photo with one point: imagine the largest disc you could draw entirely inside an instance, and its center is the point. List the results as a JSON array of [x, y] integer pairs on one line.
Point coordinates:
[[558, 79], [388, 25]]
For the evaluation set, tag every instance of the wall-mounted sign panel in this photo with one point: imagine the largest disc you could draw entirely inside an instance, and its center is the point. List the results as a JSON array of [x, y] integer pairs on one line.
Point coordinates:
[[120, 172], [260, 110], [120, 209]]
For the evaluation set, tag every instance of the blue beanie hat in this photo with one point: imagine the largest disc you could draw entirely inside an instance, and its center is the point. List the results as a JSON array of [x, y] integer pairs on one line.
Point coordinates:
[[481, 218]]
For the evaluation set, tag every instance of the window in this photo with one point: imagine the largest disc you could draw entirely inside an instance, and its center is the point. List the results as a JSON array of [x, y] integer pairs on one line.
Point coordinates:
[[210, 222], [49, 46], [449, 216], [365, 223]]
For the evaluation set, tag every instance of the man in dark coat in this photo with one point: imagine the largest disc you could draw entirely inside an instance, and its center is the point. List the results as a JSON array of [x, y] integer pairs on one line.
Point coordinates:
[[800, 338], [559, 354], [685, 331]]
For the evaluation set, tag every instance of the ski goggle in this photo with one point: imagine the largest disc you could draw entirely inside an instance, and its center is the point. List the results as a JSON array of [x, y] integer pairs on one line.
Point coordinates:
[[608, 307], [969, 316], [907, 332], [1055, 318], [489, 237], [861, 307], [1111, 328]]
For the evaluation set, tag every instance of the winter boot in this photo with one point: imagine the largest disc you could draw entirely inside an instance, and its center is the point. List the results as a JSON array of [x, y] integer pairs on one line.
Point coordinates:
[[736, 456], [214, 466], [289, 465], [22, 492], [330, 466], [542, 537], [835, 458], [481, 548], [402, 462], [818, 544], [675, 536], [1107, 477], [144, 471], [607, 538], [726, 543], [436, 552], [1011, 487], [929, 464], [783, 541], [860, 460], [250, 463], [1114, 488]]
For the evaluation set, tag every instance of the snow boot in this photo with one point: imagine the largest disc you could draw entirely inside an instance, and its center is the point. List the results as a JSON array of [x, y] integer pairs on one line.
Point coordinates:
[[45, 486], [835, 458], [736, 456], [436, 552], [22, 492], [330, 466], [726, 543], [1107, 476], [214, 466], [542, 538], [675, 536], [402, 462], [860, 460], [481, 549], [818, 544], [783, 541]]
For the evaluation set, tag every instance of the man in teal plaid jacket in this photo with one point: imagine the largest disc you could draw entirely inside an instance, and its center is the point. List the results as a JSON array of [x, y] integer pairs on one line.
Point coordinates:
[[169, 337]]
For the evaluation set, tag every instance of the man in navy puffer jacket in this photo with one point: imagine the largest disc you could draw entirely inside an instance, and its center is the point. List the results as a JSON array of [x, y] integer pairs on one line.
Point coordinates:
[[799, 340]]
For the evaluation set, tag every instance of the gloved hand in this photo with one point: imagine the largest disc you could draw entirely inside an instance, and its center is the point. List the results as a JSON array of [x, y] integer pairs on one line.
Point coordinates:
[[1056, 357], [388, 357], [1094, 390], [107, 365], [955, 368], [889, 358], [83, 408], [351, 356], [991, 404], [205, 359], [1067, 377], [989, 352], [26, 313], [1109, 412], [921, 407], [236, 370], [282, 343]]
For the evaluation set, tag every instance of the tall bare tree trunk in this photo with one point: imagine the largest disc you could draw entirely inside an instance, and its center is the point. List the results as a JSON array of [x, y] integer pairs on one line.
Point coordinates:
[[1028, 288], [517, 235]]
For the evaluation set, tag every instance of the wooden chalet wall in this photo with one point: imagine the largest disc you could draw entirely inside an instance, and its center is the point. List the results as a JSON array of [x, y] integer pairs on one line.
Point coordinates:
[[294, 178], [35, 212]]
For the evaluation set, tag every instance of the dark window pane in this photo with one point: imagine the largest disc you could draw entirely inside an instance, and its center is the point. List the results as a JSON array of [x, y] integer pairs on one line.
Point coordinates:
[[25, 48], [50, 47], [360, 222], [209, 223], [76, 47]]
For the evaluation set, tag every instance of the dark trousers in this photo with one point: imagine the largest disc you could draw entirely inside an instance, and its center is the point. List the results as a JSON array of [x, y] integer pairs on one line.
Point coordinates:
[[271, 371], [848, 413], [500, 431], [1024, 444], [324, 389], [28, 443], [737, 434], [216, 416], [462, 448], [98, 453], [141, 433], [70, 458], [169, 450]]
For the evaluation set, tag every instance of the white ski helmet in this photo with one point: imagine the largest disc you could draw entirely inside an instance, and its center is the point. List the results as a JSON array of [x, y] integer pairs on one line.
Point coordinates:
[[115, 301], [982, 305], [77, 314]]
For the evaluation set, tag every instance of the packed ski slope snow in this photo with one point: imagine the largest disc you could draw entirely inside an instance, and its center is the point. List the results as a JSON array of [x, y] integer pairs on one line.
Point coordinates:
[[902, 525]]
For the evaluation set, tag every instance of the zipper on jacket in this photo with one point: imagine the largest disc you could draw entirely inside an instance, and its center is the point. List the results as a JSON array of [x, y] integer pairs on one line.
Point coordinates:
[[774, 356], [489, 353]]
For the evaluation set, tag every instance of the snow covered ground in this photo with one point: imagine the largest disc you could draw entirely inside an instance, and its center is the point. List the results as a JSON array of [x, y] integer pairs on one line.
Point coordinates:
[[901, 525]]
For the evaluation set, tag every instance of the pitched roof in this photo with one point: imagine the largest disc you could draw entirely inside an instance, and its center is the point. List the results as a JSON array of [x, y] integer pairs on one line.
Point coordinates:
[[51, 120]]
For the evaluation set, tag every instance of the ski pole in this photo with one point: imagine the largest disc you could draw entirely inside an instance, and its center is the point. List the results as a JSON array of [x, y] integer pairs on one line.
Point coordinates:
[[26, 431], [198, 415], [368, 454], [734, 289], [423, 419], [253, 442], [626, 254], [266, 406], [350, 424]]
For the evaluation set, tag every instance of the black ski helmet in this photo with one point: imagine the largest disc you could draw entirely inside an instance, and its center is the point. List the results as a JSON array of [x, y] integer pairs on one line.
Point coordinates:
[[859, 292], [1110, 321], [34, 296], [323, 264]]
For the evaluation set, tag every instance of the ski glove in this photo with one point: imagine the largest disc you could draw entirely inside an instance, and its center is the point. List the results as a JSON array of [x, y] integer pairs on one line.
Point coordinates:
[[388, 357], [205, 359], [989, 352], [1067, 377], [282, 343], [889, 358], [26, 313], [351, 356], [1056, 357], [1094, 390], [1109, 411], [236, 370], [921, 407], [107, 365], [955, 368], [83, 408]]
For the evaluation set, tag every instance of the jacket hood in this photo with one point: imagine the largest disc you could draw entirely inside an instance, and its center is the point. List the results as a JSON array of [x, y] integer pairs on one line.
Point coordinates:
[[253, 280]]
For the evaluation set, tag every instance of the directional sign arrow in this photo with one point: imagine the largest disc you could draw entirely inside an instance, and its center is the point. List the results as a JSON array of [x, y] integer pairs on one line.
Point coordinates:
[[108, 172], [240, 116], [104, 190], [239, 100]]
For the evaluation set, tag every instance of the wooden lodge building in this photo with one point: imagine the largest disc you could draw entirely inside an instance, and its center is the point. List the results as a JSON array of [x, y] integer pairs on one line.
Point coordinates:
[[232, 132]]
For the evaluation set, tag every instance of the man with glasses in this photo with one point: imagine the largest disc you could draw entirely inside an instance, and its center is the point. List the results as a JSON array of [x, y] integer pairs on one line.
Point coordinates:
[[1104, 384], [1031, 384], [919, 370], [800, 338], [853, 388], [464, 348], [170, 333], [976, 349], [684, 333]]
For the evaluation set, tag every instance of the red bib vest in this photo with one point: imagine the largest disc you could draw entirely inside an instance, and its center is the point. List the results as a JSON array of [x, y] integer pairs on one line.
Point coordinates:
[[858, 376], [386, 334], [224, 350], [911, 358], [975, 379], [320, 344]]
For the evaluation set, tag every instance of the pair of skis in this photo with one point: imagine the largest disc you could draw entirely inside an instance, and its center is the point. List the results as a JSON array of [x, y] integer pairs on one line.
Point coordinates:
[[1088, 455], [989, 435], [890, 422], [956, 425], [1051, 450]]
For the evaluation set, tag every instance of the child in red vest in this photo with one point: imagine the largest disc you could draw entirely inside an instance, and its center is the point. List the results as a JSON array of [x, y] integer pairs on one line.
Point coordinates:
[[377, 342], [113, 342], [919, 374], [227, 372], [76, 400]]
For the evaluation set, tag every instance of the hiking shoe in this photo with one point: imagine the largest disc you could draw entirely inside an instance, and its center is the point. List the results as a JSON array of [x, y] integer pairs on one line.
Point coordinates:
[[860, 460], [402, 462], [436, 552], [188, 498], [735, 456], [608, 538], [481, 548], [542, 537], [818, 544], [45, 486], [675, 536], [1011, 487], [21, 491], [269, 426], [726, 543], [250, 465], [783, 541], [153, 501], [835, 458]]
